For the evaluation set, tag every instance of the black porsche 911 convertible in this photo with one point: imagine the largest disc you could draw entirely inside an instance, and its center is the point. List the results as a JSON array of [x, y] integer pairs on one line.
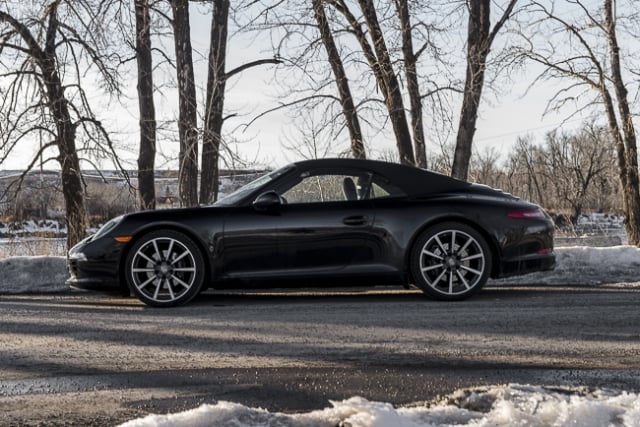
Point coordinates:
[[322, 222]]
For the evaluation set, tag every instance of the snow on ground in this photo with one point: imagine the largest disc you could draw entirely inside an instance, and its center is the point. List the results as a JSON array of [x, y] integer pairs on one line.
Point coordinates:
[[32, 226], [579, 265], [584, 265], [496, 406], [33, 274]]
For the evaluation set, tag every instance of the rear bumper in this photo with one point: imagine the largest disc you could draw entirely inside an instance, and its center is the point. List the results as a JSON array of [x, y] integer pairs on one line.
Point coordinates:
[[526, 264]]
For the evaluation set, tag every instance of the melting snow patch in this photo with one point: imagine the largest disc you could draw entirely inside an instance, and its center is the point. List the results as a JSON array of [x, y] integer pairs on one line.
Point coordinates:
[[495, 406], [29, 274], [584, 265]]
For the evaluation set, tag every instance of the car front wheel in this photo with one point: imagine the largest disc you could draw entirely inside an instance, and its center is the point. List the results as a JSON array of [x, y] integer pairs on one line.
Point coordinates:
[[450, 261], [165, 268]]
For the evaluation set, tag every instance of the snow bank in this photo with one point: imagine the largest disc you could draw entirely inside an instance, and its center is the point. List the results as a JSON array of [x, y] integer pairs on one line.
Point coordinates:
[[583, 265], [579, 265], [495, 406], [31, 274]]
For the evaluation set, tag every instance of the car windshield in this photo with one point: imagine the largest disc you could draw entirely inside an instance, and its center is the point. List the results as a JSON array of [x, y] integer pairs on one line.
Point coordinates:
[[242, 192]]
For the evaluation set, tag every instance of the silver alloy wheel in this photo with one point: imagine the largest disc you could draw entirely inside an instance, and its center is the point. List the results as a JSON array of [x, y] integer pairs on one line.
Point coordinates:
[[452, 262], [163, 269]]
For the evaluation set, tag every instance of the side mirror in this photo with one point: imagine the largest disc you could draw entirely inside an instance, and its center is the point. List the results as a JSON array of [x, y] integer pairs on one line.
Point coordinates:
[[267, 202]]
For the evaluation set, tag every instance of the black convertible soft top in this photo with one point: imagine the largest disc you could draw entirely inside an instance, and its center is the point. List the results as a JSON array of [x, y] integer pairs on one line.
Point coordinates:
[[413, 181]]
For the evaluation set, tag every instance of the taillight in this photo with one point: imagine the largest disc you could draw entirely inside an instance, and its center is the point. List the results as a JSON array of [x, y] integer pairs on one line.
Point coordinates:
[[527, 214]]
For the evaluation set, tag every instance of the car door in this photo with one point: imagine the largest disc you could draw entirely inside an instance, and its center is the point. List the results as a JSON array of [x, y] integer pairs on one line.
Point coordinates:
[[320, 226]]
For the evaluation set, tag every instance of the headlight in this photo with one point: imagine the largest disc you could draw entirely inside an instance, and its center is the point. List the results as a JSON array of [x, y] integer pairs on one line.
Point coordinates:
[[76, 256], [110, 225]]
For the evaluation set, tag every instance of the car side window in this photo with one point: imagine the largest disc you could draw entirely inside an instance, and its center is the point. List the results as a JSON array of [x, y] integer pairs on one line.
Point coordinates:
[[382, 188], [328, 188], [378, 192]]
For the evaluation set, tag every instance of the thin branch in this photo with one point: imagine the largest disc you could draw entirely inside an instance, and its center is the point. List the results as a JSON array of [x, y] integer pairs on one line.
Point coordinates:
[[288, 104]]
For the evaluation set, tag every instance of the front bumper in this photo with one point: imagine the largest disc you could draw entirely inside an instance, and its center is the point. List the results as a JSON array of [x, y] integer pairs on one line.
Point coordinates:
[[89, 275], [94, 265]]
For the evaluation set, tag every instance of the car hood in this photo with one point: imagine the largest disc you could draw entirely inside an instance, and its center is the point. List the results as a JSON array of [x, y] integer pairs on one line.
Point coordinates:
[[175, 214]]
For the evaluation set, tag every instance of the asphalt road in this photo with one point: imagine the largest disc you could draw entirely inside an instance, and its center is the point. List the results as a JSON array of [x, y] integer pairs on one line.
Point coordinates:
[[86, 358]]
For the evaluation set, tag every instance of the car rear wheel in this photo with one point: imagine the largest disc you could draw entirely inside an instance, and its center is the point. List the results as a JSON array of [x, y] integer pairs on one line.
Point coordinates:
[[450, 261], [165, 268]]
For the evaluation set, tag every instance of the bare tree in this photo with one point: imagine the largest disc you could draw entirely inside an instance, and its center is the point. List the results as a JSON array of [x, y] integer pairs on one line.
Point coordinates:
[[147, 149], [593, 64], [43, 61], [626, 141], [317, 73], [413, 86], [573, 164], [485, 168], [480, 37], [308, 142], [524, 171], [214, 107], [380, 72], [188, 110], [440, 160], [377, 56], [568, 173], [342, 82]]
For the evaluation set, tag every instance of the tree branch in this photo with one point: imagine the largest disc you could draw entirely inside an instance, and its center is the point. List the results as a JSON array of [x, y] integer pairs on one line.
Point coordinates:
[[252, 64], [503, 19], [288, 104]]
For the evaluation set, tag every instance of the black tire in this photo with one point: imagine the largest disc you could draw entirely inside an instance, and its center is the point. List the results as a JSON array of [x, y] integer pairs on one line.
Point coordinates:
[[165, 268], [450, 261]]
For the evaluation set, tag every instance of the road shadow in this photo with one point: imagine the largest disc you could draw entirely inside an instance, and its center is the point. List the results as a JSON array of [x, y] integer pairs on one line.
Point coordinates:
[[95, 300], [391, 294]]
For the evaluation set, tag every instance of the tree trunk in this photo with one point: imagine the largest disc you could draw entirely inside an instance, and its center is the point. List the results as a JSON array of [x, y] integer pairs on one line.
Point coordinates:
[[214, 108], [187, 116], [477, 51], [480, 37], [527, 150], [627, 143], [216, 83], [393, 95], [147, 152], [72, 189], [413, 87], [346, 99]]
